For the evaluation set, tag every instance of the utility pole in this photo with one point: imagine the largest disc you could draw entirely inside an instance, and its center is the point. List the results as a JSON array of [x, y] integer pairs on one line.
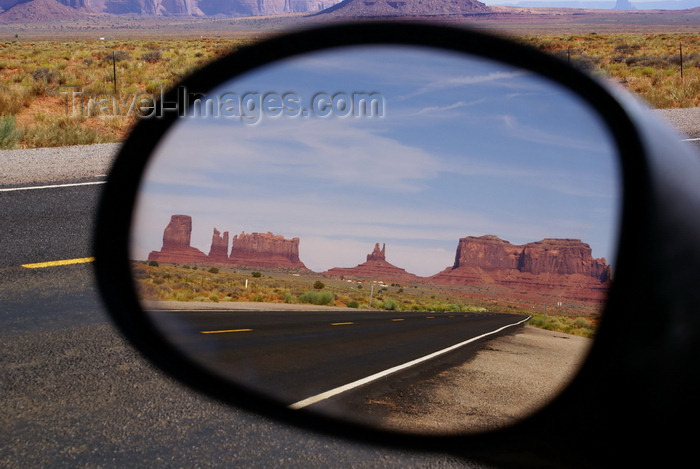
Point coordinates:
[[114, 72], [371, 292]]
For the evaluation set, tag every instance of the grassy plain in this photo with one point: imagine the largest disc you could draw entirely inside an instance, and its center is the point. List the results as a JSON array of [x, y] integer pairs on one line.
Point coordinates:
[[166, 282], [649, 65], [39, 79]]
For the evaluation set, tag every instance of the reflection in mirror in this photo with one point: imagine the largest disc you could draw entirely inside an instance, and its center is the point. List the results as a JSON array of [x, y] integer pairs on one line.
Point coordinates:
[[372, 233]]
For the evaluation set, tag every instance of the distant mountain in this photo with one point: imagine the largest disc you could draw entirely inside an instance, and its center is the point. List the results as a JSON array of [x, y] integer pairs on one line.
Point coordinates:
[[602, 5], [41, 10], [383, 8], [261, 7], [38, 10]]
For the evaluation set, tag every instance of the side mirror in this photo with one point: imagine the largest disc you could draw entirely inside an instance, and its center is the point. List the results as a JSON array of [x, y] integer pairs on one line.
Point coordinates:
[[408, 197]]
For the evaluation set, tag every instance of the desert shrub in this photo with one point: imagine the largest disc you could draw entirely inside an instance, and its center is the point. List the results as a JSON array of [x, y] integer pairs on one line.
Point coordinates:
[[61, 131], [352, 304], [213, 270], [45, 75], [317, 297], [583, 323], [184, 295], [257, 274], [153, 263], [9, 135], [319, 285], [553, 324], [13, 98], [117, 55], [235, 293], [152, 57], [626, 48], [390, 304], [646, 61]]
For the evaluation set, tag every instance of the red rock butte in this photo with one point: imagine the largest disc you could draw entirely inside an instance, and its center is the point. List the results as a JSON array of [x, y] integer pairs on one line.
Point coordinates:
[[543, 271], [561, 268], [405, 8], [247, 250], [265, 250], [176, 243], [376, 267]]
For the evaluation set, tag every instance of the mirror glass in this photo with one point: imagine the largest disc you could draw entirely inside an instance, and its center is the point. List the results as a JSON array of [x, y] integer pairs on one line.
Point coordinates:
[[406, 237]]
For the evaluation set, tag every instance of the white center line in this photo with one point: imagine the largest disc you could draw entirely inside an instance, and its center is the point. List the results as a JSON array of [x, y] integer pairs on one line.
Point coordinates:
[[325, 395], [51, 186]]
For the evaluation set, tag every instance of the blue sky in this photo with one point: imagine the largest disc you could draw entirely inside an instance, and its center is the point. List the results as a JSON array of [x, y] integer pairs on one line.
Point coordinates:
[[465, 147]]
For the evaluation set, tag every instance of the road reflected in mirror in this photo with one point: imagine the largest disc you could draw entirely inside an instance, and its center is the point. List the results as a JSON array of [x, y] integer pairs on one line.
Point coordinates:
[[404, 237]]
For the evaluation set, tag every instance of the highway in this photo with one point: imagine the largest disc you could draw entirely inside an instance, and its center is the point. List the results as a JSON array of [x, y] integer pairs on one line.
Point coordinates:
[[297, 355], [74, 394]]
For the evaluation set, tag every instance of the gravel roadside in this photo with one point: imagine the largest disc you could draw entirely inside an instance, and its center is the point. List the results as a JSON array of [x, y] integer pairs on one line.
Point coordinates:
[[510, 378], [56, 164], [686, 121]]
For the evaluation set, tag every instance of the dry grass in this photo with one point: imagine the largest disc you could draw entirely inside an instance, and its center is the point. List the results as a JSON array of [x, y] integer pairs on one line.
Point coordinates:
[[38, 77], [646, 64], [167, 282]]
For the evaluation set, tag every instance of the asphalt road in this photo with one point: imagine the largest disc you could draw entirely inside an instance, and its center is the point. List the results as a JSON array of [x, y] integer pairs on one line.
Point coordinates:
[[295, 355], [74, 394]]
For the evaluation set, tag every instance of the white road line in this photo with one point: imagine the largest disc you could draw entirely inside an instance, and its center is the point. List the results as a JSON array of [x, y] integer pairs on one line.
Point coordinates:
[[52, 186], [333, 392], [691, 139]]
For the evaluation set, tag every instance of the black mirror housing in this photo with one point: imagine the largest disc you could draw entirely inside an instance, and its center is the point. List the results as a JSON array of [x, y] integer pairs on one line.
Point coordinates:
[[640, 381]]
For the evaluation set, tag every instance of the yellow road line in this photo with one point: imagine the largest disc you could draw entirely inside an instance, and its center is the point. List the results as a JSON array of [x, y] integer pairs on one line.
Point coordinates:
[[41, 265], [224, 331], [341, 323], [397, 319]]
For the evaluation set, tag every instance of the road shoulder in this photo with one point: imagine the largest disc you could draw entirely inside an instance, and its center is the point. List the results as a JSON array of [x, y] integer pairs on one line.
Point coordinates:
[[510, 378]]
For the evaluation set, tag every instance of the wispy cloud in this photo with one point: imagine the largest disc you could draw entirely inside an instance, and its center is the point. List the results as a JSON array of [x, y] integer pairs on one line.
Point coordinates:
[[459, 81], [443, 110], [336, 151]]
